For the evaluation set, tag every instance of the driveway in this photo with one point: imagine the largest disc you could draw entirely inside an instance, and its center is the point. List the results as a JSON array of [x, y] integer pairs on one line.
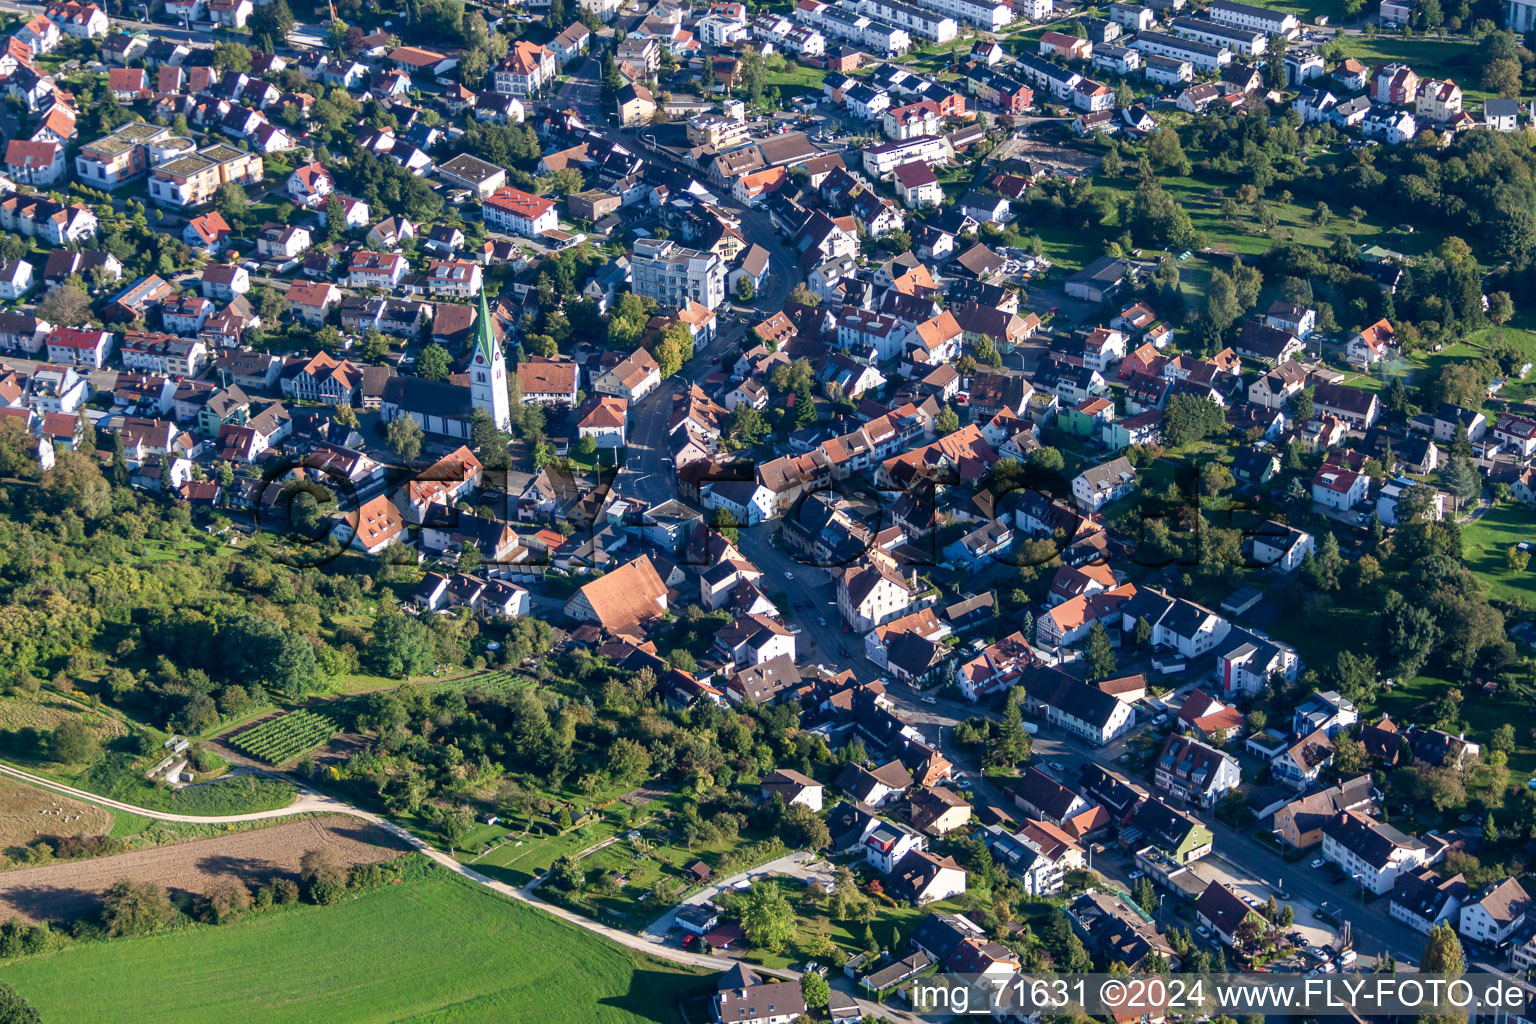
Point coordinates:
[[804, 866]]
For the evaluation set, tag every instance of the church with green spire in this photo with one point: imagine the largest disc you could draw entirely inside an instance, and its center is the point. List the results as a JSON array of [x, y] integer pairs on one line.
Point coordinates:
[[447, 408], [488, 371]]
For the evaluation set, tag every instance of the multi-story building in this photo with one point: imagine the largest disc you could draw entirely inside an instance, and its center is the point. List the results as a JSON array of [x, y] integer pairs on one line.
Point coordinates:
[[1439, 101], [519, 212], [454, 277], [166, 354], [79, 346], [1205, 56], [925, 24], [1395, 84], [53, 222], [1194, 772], [371, 269], [988, 15], [1261, 19], [126, 154], [1373, 853], [1247, 41], [191, 180], [672, 275], [526, 70]]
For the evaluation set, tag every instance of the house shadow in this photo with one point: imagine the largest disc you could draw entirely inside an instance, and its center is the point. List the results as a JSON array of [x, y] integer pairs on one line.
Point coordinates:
[[665, 997]]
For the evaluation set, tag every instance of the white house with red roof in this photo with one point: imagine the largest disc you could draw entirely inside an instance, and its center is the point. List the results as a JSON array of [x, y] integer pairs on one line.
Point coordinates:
[[34, 163], [210, 232], [310, 184], [81, 21], [1340, 488], [604, 419], [1372, 344], [79, 346], [39, 35], [1516, 433], [519, 212]]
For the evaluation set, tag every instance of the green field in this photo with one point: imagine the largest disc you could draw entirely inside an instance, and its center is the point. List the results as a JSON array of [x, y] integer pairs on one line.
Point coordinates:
[[1484, 542], [436, 949], [1430, 58]]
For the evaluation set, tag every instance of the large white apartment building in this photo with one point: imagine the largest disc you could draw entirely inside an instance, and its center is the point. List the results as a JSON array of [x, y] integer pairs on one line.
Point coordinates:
[[1250, 42], [1204, 56], [984, 14], [1263, 19], [918, 21], [672, 275]]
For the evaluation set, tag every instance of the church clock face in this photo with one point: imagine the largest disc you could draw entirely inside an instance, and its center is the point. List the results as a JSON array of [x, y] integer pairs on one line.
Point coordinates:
[[479, 359]]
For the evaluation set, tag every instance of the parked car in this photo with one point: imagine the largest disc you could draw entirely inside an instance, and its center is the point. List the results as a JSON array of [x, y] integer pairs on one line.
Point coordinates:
[[1319, 862]]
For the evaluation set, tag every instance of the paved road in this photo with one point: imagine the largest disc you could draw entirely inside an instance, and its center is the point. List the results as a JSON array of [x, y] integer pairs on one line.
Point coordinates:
[[308, 802], [652, 942], [311, 802]]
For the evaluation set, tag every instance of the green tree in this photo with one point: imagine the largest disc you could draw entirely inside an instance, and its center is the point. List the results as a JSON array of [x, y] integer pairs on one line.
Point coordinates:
[[72, 742], [1442, 952], [231, 56], [434, 363], [1166, 153], [947, 421], [453, 824], [271, 22], [403, 435], [745, 290], [1099, 652], [1191, 418], [767, 917], [16, 1010], [674, 349], [230, 200], [1274, 65], [724, 522], [132, 907], [400, 646], [815, 990]]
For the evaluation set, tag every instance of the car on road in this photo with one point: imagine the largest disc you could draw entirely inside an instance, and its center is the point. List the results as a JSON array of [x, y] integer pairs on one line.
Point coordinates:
[[929, 699], [788, 575], [1203, 932], [1317, 863], [822, 621], [1134, 875], [1057, 766]]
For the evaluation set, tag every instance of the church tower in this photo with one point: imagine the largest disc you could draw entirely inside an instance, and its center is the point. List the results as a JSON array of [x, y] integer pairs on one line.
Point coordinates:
[[488, 371]]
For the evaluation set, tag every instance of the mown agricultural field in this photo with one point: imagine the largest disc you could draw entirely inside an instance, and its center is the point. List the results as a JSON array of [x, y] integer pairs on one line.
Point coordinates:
[[286, 737], [433, 950]]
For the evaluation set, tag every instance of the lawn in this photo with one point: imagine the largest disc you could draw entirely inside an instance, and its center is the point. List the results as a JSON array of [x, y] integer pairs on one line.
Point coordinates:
[[1431, 58], [1484, 542], [1202, 200], [1412, 701], [519, 861], [435, 949], [796, 80]]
